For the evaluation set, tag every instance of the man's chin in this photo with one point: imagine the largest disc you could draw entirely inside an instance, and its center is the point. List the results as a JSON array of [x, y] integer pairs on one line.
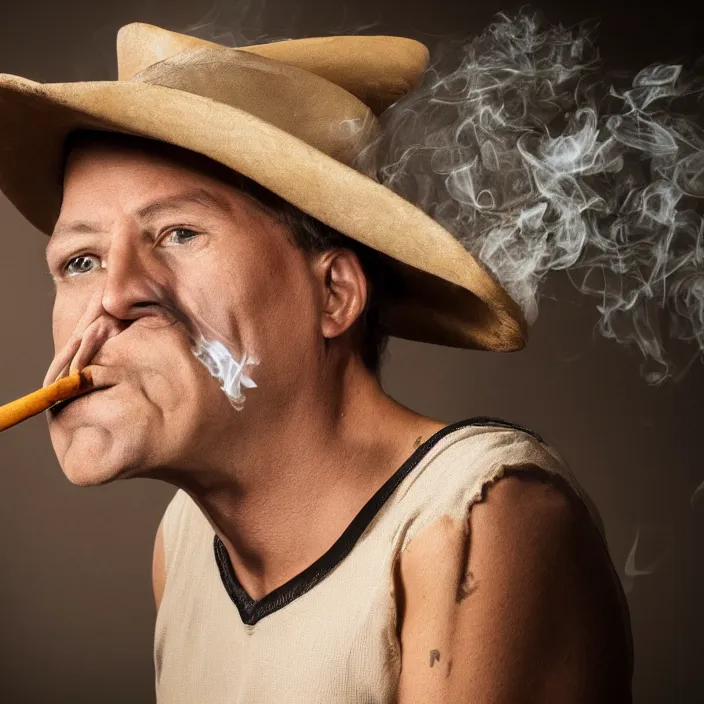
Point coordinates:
[[92, 457]]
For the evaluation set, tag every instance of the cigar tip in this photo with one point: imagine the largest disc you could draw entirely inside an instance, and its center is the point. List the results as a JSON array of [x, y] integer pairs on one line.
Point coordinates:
[[86, 378]]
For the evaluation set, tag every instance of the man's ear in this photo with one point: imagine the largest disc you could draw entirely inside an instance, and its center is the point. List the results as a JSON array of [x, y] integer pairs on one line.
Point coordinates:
[[344, 290]]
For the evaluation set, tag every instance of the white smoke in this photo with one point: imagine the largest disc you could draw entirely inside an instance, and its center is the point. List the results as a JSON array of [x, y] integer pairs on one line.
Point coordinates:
[[630, 570], [230, 23], [536, 163], [223, 366], [697, 495]]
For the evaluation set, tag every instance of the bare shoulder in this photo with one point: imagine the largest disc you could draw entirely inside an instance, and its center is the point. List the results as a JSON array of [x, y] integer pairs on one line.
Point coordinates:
[[527, 580]]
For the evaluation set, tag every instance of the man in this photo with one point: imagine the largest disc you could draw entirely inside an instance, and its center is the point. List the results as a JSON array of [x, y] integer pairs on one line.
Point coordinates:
[[326, 543]]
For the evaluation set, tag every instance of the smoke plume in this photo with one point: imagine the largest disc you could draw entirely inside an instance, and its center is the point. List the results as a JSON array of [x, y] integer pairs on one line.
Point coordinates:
[[531, 156], [630, 571], [223, 366]]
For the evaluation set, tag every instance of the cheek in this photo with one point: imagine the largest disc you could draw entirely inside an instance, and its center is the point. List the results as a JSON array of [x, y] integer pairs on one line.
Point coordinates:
[[171, 377], [248, 294], [290, 308], [272, 315]]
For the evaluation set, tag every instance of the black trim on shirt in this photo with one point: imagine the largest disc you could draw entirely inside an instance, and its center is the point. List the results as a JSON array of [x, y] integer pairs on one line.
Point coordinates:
[[252, 610]]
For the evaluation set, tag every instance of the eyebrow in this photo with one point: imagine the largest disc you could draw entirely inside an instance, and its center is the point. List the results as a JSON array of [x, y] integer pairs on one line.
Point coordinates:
[[196, 196]]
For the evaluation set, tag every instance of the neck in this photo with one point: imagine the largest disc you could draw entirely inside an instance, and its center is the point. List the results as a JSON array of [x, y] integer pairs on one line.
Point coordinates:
[[289, 494]]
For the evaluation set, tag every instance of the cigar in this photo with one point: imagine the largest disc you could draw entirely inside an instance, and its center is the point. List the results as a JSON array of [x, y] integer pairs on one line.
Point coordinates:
[[30, 405]]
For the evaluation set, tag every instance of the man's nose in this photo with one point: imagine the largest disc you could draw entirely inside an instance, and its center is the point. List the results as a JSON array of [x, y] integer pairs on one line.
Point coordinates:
[[132, 289]]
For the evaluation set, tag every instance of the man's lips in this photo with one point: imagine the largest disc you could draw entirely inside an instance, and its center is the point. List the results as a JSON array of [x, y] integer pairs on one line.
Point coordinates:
[[100, 383], [58, 407]]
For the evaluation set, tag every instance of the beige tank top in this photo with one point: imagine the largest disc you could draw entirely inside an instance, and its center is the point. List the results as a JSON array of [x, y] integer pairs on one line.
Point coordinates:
[[327, 636]]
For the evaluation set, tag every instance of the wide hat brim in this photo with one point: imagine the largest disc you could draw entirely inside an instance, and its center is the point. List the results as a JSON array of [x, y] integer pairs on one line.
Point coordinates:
[[440, 293]]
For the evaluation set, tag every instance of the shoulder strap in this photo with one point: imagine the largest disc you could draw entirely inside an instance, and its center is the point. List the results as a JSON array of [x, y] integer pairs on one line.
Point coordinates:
[[498, 422]]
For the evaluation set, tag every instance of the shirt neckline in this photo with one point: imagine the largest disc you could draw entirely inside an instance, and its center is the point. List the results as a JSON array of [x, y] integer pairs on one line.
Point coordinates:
[[253, 610]]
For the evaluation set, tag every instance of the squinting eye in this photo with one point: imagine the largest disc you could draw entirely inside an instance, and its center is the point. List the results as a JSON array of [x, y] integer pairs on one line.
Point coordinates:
[[81, 264], [174, 236]]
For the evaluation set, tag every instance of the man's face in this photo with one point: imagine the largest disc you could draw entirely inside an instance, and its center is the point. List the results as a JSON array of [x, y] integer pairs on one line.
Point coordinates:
[[165, 252]]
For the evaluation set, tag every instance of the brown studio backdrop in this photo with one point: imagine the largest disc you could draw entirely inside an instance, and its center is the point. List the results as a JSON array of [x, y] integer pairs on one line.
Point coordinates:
[[77, 613]]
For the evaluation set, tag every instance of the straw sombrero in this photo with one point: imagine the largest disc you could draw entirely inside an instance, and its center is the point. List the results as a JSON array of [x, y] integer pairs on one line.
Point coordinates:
[[290, 115]]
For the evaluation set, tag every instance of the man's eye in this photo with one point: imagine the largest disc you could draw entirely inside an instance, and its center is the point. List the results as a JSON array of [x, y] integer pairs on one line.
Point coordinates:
[[81, 264], [179, 235]]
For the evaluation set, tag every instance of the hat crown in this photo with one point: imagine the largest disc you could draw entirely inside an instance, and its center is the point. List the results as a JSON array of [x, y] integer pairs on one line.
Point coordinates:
[[308, 107], [140, 45], [323, 90], [378, 70]]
